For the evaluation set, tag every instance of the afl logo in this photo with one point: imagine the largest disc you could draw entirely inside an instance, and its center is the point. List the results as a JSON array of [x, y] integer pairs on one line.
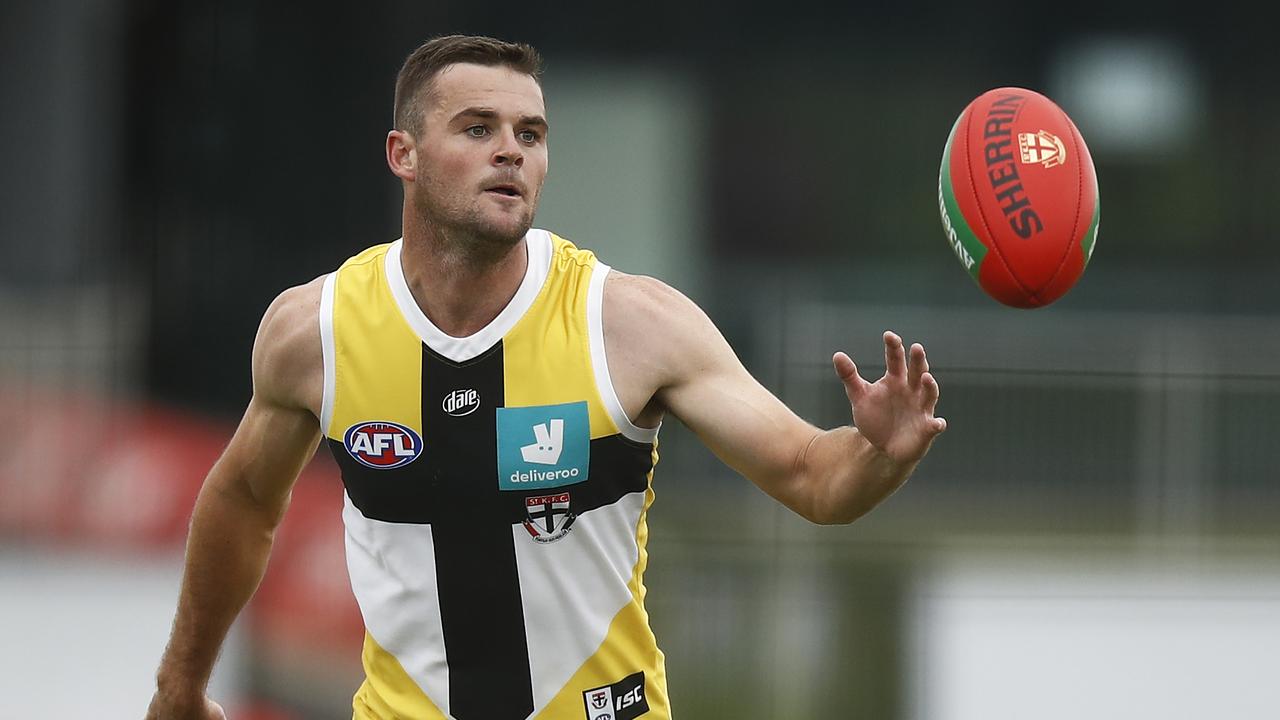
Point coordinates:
[[461, 402], [382, 445]]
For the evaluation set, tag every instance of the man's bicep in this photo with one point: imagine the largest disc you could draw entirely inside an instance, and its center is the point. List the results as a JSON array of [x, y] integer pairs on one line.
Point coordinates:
[[279, 431], [671, 352], [270, 448], [743, 423]]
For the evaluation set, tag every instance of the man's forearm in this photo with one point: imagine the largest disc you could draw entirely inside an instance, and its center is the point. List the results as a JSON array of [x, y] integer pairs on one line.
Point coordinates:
[[845, 476], [227, 551]]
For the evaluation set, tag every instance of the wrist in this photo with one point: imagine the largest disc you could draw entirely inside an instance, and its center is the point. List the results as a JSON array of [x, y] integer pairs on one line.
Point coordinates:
[[884, 465], [178, 684]]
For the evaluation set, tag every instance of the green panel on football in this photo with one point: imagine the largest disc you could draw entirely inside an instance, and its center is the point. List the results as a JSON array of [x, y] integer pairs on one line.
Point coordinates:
[[966, 245], [1091, 235]]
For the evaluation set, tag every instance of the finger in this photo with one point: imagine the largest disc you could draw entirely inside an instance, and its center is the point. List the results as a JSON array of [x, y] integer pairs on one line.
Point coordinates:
[[939, 425], [931, 391], [917, 365], [895, 360], [854, 385]]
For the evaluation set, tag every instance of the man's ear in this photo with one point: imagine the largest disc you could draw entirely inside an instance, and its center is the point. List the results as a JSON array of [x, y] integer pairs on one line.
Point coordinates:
[[402, 155]]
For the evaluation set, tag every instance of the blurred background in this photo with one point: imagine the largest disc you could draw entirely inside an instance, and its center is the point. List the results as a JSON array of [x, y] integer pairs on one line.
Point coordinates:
[[1097, 535]]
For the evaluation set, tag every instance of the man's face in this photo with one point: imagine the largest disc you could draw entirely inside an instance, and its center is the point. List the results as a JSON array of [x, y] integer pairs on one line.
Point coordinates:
[[482, 153]]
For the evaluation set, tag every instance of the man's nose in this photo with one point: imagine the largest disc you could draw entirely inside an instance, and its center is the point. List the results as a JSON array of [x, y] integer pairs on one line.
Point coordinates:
[[510, 152]]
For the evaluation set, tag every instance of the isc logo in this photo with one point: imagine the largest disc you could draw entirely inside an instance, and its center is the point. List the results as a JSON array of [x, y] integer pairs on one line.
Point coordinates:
[[382, 445], [623, 700], [633, 696]]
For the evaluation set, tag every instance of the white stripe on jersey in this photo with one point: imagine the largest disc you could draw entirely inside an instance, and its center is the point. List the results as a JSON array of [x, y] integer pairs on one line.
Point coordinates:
[[393, 576], [572, 588]]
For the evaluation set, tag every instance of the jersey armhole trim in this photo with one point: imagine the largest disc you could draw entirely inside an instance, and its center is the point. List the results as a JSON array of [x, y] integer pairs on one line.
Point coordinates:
[[328, 352], [600, 363]]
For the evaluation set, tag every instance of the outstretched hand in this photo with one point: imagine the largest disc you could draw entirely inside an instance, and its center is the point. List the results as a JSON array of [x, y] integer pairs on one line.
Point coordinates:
[[894, 413]]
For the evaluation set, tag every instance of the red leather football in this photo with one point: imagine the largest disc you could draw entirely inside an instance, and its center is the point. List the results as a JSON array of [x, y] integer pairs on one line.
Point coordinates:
[[1019, 197]]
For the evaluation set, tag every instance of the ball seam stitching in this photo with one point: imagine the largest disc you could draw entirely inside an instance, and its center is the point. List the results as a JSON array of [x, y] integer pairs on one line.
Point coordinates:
[[973, 188], [1075, 144]]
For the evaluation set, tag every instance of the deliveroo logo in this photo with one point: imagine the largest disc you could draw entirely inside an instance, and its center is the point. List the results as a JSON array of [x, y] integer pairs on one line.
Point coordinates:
[[543, 446], [547, 444]]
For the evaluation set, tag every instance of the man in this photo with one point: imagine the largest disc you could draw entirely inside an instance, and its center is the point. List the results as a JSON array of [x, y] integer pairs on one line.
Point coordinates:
[[492, 395]]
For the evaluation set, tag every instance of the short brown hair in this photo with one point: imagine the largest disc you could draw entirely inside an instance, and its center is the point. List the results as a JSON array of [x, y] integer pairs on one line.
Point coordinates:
[[413, 84]]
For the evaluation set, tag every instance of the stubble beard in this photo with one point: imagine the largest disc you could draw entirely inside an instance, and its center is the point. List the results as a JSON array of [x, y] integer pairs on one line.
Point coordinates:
[[464, 229]]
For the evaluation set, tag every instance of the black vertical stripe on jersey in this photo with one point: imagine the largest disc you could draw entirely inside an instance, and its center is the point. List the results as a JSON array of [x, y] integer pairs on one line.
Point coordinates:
[[481, 614], [453, 486]]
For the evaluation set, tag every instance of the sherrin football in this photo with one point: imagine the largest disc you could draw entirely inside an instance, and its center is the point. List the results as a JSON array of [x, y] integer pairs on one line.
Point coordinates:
[[1019, 197]]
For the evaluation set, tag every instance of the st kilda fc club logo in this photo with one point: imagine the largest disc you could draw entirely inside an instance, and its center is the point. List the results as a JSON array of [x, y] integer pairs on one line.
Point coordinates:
[[1043, 147], [547, 517]]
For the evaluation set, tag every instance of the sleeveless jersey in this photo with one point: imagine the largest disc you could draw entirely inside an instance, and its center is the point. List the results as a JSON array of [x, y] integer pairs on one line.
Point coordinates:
[[495, 501]]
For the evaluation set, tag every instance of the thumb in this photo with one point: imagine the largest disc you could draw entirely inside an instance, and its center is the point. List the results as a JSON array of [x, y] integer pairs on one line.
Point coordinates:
[[854, 385]]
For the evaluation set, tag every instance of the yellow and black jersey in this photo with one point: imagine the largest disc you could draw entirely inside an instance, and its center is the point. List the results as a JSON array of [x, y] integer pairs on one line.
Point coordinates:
[[496, 495]]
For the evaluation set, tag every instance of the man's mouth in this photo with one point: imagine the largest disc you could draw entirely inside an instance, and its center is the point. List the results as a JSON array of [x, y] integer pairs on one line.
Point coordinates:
[[506, 189]]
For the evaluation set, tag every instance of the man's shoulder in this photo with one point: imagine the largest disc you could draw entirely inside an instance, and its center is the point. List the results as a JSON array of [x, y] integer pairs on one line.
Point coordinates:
[[296, 301], [287, 349], [645, 315], [625, 293], [564, 251], [368, 257], [642, 293]]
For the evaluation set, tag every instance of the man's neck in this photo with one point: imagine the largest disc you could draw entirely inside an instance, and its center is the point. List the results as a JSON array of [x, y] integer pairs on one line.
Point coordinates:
[[459, 291]]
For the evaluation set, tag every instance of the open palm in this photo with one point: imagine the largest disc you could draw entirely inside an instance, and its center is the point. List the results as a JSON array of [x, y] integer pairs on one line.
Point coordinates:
[[894, 413]]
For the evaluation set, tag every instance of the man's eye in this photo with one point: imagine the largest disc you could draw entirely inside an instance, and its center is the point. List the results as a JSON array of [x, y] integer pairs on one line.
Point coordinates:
[[477, 131], [529, 136]]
